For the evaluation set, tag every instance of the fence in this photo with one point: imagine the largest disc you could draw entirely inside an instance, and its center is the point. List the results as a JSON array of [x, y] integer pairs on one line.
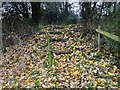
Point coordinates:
[[113, 37]]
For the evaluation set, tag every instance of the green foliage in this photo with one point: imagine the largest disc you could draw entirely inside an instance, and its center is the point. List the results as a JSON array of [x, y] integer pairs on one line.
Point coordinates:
[[70, 20], [37, 27], [50, 59], [48, 63], [45, 63], [53, 15], [83, 54], [35, 72]]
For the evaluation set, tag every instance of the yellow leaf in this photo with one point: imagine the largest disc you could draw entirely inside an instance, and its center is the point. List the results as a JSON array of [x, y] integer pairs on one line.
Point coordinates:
[[70, 66], [69, 55], [102, 85], [89, 77], [95, 83], [74, 72], [61, 64], [27, 81], [77, 52], [65, 56], [110, 73], [54, 79], [62, 48], [52, 44], [103, 57], [112, 83], [91, 62], [103, 64], [99, 80]]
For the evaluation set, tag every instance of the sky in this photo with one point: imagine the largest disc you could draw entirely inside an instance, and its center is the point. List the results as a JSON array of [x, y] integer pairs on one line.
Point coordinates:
[[76, 7]]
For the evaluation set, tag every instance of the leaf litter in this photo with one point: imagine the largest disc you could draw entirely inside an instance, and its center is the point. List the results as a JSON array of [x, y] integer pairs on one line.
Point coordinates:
[[26, 65]]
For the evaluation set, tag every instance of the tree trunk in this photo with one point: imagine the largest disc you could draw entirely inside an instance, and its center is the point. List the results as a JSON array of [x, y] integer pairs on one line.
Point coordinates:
[[86, 11], [114, 7], [66, 8], [36, 11]]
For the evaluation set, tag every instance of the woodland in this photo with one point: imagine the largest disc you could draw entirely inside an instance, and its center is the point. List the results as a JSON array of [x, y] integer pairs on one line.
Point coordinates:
[[60, 45]]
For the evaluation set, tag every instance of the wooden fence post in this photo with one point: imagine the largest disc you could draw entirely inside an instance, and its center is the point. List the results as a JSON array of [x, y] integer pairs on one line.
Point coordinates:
[[99, 42], [1, 43], [99, 47]]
